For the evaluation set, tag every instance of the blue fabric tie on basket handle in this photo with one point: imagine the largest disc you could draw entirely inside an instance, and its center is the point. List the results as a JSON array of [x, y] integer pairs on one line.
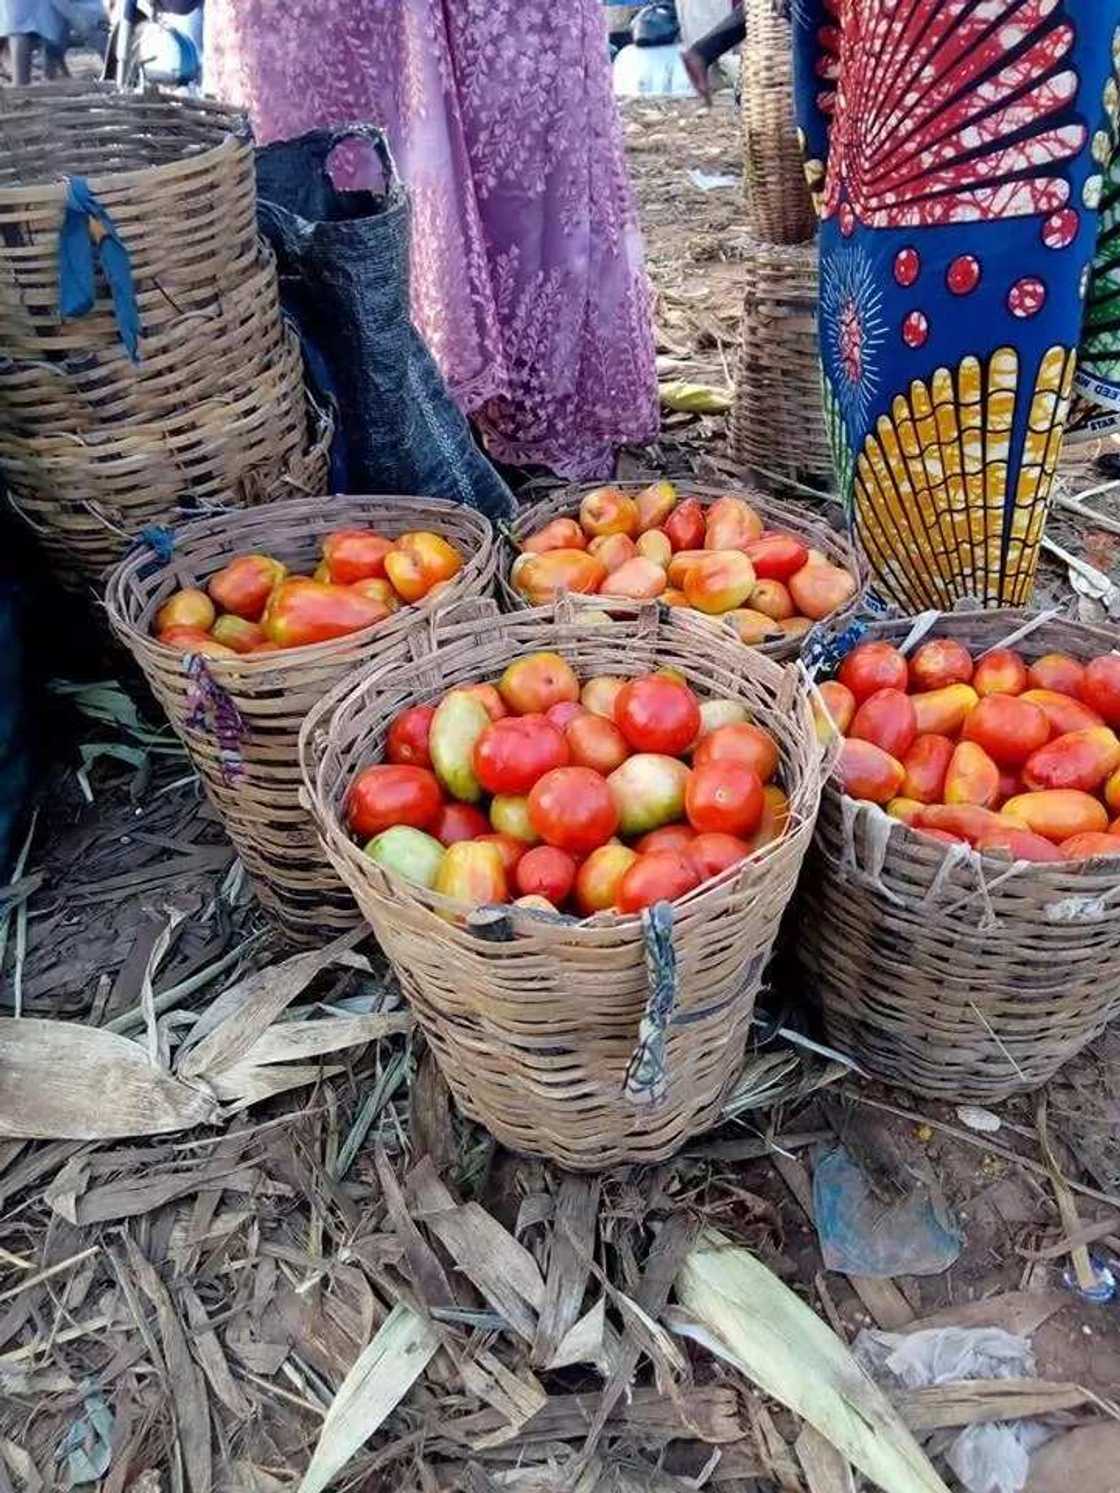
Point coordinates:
[[87, 226], [646, 1075]]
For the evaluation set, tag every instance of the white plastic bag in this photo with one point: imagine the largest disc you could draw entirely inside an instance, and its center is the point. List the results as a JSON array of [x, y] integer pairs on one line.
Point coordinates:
[[651, 71]]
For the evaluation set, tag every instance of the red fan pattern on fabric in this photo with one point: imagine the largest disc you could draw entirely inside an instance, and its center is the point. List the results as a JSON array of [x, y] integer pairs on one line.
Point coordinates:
[[947, 111]]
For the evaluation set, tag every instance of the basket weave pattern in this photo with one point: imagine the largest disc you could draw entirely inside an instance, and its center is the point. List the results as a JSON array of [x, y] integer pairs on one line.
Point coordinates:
[[779, 208], [248, 758], [816, 534], [535, 1034], [92, 446], [955, 975]]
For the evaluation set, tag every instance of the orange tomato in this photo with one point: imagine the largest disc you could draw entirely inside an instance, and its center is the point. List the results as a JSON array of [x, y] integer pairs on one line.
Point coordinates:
[[724, 797], [660, 876], [1057, 672], [772, 599], [237, 633], [545, 872], [355, 555], [1019, 844], [508, 848], [965, 821], [595, 742], [753, 627], [637, 580], [1100, 688], [795, 627], [1080, 759], [905, 809], [608, 510], [189, 607], [1001, 672], [613, 550], [491, 700], [1057, 813], [531, 685], [600, 876], [740, 742], [301, 611], [942, 712], [541, 578], [560, 534], [654, 545], [1009, 729], [1062, 711], [386, 794], [839, 706], [719, 581], [182, 637], [599, 694], [939, 663], [972, 777], [1111, 791], [732, 525], [685, 526], [244, 585], [1087, 847], [655, 503], [864, 770], [472, 871], [775, 818], [378, 588], [820, 588], [886, 718], [681, 563], [419, 561], [871, 667], [926, 764]]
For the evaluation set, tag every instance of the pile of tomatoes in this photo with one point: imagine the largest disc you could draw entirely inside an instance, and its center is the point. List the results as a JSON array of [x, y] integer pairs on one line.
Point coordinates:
[[253, 605], [1014, 758], [571, 797], [719, 560]]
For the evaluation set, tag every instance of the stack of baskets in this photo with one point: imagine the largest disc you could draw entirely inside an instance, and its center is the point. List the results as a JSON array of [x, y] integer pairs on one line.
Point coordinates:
[[94, 447], [777, 423]]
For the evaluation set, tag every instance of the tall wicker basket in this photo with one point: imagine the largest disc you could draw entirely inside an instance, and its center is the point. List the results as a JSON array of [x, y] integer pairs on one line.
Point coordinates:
[[778, 429], [536, 1032], [240, 721], [960, 976], [779, 208]]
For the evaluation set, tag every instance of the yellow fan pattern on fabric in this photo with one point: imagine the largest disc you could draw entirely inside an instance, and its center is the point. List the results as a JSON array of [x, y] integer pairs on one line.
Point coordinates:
[[930, 493]]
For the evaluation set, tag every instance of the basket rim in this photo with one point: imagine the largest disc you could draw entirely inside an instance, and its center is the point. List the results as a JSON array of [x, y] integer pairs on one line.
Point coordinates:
[[804, 526], [321, 801], [910, 845], [126, 575]]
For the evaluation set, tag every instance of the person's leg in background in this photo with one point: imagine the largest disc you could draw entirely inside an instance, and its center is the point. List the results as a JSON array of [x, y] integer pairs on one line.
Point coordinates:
[[705, 53], [20, 51]]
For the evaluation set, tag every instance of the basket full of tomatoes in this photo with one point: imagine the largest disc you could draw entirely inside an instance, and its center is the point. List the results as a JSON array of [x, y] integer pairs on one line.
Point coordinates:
[[250, 617], [758, 570], [543, 811], [961, 904]]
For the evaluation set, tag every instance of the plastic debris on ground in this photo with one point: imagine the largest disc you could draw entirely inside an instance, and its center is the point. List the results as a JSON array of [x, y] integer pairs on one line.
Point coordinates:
[[860, 1234]]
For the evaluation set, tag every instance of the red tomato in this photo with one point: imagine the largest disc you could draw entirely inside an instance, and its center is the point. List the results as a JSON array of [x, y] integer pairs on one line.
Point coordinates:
[[668, 837], [407, 742], [456, 822], [964, 821], [563, 712], [887, 719], [713, 853], [724, 796], [546, 872], [245, 584], [1001, 672], [926, 764], [1019, 844], [572, 808], [864, 770], [593, 741], [659, 715], [1100, 689], [355, 555], [1062, 711], [1057, 672], [660, 876], [839, 706], [1009, 729], [511, 754], [1088, 847], [871, 667], [384, 795], [938, 663], [776, 557], [1080, 759], [509, 849], [740, 742], [941, 835], [301, 612], [686, 526]]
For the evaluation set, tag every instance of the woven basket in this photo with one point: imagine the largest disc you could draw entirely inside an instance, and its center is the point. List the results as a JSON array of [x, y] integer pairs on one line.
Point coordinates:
[[816, 533], [240, 720], [88, 494], [959, 976], [175, 175], [777, 427], [779, 208], [536, 1034]]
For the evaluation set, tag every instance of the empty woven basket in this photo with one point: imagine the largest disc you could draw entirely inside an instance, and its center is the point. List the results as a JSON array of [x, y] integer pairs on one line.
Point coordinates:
[[960, 976], [779, 209]]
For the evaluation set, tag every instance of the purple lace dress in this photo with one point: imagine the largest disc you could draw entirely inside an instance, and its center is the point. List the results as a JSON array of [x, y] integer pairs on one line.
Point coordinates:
[[526, 258]]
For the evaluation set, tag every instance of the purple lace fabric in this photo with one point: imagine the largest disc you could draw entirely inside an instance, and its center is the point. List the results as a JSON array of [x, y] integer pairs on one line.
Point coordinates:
[[527, 275]]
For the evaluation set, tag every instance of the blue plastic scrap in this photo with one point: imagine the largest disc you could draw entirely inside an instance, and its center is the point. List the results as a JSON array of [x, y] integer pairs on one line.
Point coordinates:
[[87, 228]]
